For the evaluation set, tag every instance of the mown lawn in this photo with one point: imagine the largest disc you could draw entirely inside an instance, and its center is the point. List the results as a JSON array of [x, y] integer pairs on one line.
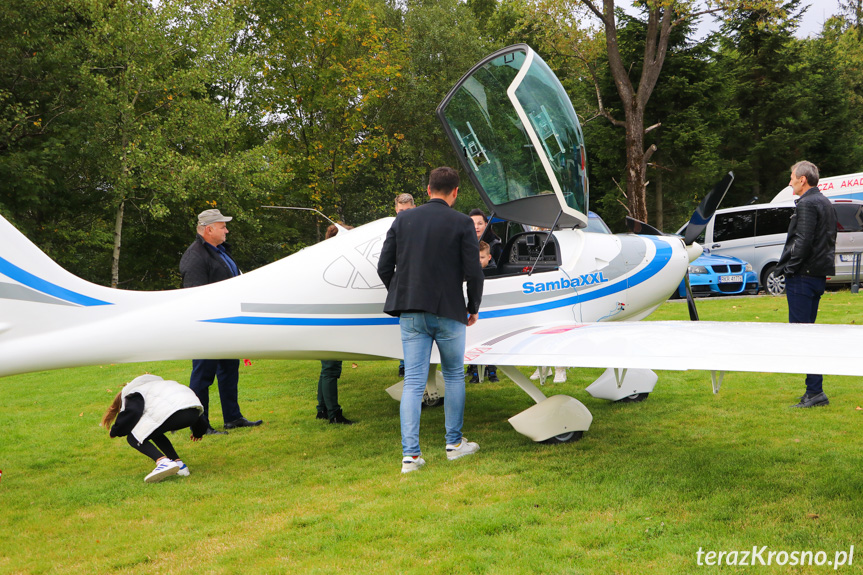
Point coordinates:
[[649, 486]]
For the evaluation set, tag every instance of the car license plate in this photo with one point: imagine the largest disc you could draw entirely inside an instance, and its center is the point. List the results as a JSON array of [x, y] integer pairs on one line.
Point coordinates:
[[846, 257], [730, 279]]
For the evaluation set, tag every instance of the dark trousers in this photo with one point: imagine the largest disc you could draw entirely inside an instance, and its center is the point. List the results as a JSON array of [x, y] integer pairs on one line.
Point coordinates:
[[803, 294], [204, 371], [328, 388], [163, 447], [474, 370]]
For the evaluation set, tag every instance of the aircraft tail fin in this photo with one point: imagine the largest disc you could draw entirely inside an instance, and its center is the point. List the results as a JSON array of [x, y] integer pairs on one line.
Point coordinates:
[[28, 275]]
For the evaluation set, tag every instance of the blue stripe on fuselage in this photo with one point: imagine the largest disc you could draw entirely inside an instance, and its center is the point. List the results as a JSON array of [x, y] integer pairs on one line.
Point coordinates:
[[307, 321], [25, 278], [659, 261]]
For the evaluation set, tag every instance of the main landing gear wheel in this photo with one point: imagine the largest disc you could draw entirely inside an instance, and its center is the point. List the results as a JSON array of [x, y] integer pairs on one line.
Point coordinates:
[[429, 402], [570, 437], [634, 398]]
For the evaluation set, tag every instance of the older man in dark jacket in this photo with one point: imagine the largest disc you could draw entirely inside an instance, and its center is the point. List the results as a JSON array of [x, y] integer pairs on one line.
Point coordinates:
[[807, 259], [428, 254], [208, 260]]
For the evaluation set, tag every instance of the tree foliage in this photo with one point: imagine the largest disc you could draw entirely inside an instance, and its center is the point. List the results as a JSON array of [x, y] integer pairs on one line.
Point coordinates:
[[141, 128], [329, 70]]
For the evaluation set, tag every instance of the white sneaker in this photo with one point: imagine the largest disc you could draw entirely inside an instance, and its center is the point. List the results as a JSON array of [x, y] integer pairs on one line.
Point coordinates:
[[559, 375], [410, 463], [464, 447], [541, 373], [164, 468], [184, 471]]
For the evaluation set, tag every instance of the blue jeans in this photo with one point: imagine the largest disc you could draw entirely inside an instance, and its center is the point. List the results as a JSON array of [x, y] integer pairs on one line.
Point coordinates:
[[804, 294], [419, 330]]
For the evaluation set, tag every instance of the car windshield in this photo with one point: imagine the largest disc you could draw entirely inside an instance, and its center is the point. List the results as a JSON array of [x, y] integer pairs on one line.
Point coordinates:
[[596, 225]]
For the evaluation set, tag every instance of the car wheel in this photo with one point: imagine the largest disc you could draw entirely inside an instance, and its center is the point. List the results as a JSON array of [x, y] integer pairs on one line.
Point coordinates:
[[773, 284]]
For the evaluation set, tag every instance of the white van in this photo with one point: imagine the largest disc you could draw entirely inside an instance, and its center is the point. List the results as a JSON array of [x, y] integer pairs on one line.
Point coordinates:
[[756, 234], [848, 186]]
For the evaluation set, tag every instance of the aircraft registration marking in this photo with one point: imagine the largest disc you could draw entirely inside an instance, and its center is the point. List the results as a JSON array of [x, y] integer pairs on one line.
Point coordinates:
[[475, 352], [559, 329]]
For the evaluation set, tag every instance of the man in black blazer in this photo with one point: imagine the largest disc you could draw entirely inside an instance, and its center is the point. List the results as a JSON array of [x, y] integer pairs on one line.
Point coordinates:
[[208, 260], [428, 254]]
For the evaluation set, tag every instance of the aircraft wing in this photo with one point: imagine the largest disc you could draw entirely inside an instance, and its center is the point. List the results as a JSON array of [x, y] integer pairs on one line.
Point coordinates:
[[678, 345]]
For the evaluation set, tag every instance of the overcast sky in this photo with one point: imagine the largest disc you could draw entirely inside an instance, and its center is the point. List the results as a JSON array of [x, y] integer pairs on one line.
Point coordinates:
[[813, 20], [818, 13]]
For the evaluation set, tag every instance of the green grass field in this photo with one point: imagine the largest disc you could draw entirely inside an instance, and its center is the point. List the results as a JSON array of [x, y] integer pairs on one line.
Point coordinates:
[[648, 486]]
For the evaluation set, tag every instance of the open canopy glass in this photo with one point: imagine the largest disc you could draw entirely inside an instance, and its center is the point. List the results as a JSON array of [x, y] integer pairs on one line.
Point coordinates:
[[517, 135]]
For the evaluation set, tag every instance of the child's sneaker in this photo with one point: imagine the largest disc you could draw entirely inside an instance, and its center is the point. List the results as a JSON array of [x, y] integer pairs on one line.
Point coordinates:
[[412, 463], [164, 468], [464, 447], [559, 375], [184, 470]]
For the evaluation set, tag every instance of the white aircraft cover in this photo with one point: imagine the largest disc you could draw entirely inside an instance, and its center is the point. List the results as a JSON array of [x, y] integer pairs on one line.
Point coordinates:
[[676, 345]]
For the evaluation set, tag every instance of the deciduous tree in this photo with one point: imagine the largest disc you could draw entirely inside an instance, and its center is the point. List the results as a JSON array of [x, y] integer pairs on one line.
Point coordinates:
[[160, 135], [329, 68]]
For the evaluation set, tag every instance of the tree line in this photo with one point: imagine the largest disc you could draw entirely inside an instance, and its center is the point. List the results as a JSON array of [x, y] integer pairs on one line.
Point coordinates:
[[120, 120]]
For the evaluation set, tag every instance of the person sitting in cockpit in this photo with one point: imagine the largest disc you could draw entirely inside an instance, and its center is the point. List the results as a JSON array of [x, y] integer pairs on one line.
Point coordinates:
[[487, 262], [485, 258], [484, 233]]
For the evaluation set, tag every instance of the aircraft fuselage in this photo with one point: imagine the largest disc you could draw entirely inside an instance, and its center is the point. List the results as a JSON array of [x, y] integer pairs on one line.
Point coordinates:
[[324, 302]]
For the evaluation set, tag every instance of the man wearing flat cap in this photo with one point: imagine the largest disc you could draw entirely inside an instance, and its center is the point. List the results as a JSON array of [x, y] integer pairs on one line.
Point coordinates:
[[208, 260]]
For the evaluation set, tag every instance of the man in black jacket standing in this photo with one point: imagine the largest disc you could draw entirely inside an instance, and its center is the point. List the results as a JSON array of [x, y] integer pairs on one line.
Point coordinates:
[[428, 254], [208, 260], [807, 259]]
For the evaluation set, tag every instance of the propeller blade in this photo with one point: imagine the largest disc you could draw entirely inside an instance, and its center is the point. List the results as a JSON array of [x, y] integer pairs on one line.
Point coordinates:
[[690, 301], [639, 227], [707, 208]]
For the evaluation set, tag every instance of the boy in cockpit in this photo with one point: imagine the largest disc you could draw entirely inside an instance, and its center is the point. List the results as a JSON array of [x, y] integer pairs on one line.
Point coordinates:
[[485, 255], [487, 264]]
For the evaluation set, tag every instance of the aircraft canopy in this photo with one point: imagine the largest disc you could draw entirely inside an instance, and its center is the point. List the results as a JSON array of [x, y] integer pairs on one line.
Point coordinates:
[[517, 135]]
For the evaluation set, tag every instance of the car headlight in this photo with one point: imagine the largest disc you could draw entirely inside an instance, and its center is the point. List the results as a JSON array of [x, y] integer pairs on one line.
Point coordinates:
[[697, 270], [748, 267]]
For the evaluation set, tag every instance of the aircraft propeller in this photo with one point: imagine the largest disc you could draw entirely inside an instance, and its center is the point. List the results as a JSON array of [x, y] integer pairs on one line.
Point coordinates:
[[705, 210], [697, 223]]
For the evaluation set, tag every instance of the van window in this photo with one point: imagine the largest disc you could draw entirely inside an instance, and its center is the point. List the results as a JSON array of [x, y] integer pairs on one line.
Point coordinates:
[[773, 221], [849, 217], [734, 225]]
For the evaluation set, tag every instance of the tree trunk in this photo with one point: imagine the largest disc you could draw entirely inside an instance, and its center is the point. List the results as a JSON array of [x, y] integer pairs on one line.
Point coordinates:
[[118, 217], [118, 234], [659, 23], [636, 166], [660, 221]]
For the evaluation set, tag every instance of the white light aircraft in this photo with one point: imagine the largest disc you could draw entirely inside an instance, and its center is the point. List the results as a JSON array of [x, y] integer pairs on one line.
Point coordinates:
[[557, 299]]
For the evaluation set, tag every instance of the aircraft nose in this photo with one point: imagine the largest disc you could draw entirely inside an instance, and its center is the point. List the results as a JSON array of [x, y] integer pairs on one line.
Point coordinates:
[[694, 251]]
